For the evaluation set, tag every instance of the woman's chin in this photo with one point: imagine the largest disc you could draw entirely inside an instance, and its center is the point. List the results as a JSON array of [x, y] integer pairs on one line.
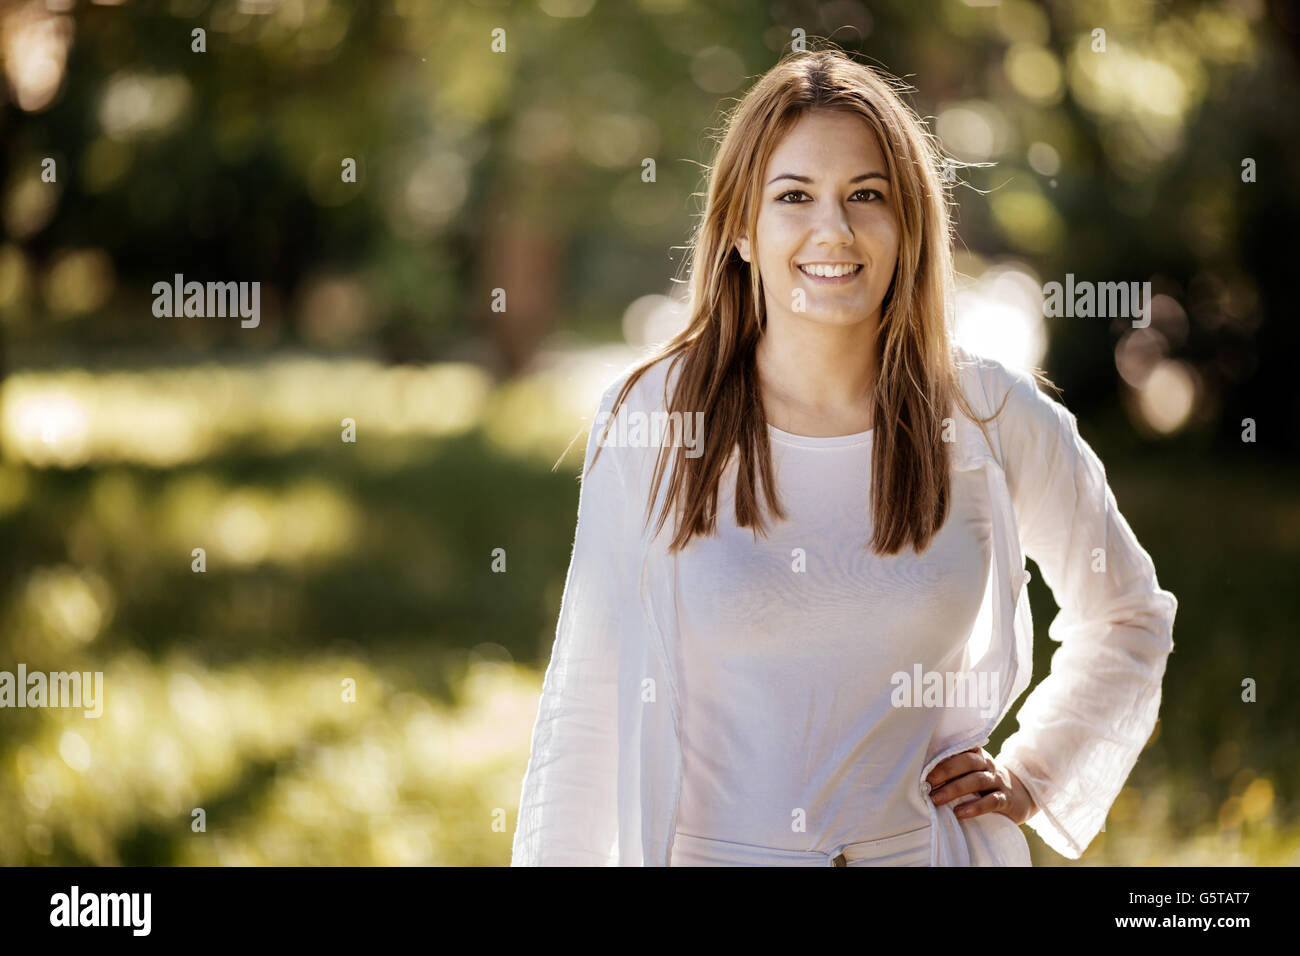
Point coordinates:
[[841, 316]]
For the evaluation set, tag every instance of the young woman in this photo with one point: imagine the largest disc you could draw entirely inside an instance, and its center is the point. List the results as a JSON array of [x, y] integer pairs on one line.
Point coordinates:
[[803, 665]]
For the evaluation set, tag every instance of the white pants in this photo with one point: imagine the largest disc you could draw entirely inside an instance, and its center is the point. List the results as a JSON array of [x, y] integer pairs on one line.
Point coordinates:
[[905, 849]]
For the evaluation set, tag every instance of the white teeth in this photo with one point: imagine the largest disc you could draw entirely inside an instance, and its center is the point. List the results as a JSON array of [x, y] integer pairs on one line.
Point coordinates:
[[830, 272]]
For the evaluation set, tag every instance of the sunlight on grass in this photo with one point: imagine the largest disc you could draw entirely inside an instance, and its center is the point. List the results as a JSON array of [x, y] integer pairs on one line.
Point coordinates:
[[166, 416], [170, 737], [414, 784], [389, 779], [309, 522], [1140, 832]]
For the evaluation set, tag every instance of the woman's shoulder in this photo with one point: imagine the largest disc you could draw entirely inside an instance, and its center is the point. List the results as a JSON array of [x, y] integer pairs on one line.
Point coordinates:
[[649, 392], [1032, 432], [990, 380], [1013, 393], [630, 417]]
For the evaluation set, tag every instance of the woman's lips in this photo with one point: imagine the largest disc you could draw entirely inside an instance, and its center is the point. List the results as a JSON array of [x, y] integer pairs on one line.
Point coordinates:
[[831, 280]]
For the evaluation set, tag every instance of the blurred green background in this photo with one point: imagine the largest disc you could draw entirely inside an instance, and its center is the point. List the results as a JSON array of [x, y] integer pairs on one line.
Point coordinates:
[[128, 440]]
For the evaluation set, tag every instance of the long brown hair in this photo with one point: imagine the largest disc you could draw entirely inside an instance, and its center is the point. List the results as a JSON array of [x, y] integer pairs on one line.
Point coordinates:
[[916, 383]]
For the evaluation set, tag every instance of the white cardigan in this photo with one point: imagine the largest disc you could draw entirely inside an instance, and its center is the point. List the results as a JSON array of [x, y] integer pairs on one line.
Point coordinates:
[[604, 772]]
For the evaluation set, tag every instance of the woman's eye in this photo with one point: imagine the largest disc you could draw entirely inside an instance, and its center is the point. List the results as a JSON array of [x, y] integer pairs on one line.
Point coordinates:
[[875, 194]]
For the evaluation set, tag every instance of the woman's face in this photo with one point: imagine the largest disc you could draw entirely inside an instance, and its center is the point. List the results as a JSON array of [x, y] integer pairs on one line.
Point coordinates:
[[826, 201]]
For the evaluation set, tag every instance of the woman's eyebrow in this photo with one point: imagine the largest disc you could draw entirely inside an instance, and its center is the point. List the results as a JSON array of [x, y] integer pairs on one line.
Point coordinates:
[[806, 179]]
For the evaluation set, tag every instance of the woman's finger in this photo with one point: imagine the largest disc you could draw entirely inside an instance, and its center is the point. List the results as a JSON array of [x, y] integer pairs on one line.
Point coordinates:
[[975, 782], [994, 802], [955, 766]]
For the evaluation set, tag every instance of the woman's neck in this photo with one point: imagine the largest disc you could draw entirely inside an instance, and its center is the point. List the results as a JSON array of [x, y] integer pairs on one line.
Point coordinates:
[[817, 379]]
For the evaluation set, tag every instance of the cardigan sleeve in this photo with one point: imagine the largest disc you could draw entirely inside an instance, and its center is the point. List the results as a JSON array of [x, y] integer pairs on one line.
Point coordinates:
[[568, 813], [1082, 728]]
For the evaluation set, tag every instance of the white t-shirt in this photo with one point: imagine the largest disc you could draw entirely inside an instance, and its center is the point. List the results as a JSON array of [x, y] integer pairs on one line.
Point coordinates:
[[788, 675]]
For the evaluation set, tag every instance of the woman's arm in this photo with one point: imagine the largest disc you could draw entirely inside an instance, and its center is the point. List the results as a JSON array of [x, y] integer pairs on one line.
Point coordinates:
[[1082, 728], [568, 812]]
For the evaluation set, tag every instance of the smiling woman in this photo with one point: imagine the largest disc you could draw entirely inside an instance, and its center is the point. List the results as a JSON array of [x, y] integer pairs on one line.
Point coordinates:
[[826, 252], [723, 691]]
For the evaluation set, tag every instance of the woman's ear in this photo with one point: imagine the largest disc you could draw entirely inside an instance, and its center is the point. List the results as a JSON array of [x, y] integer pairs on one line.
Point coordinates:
[[742, 246]]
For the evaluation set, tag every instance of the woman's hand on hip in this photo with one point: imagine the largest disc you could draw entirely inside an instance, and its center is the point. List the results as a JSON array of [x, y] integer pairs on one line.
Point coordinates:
[[996, 789]]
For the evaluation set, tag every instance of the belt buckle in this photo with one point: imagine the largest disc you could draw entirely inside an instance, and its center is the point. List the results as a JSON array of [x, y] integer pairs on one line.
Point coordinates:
[[839, 860]]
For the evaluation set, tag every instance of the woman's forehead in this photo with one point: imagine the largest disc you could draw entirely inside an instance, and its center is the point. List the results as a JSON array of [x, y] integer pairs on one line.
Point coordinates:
[[826, 141]]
